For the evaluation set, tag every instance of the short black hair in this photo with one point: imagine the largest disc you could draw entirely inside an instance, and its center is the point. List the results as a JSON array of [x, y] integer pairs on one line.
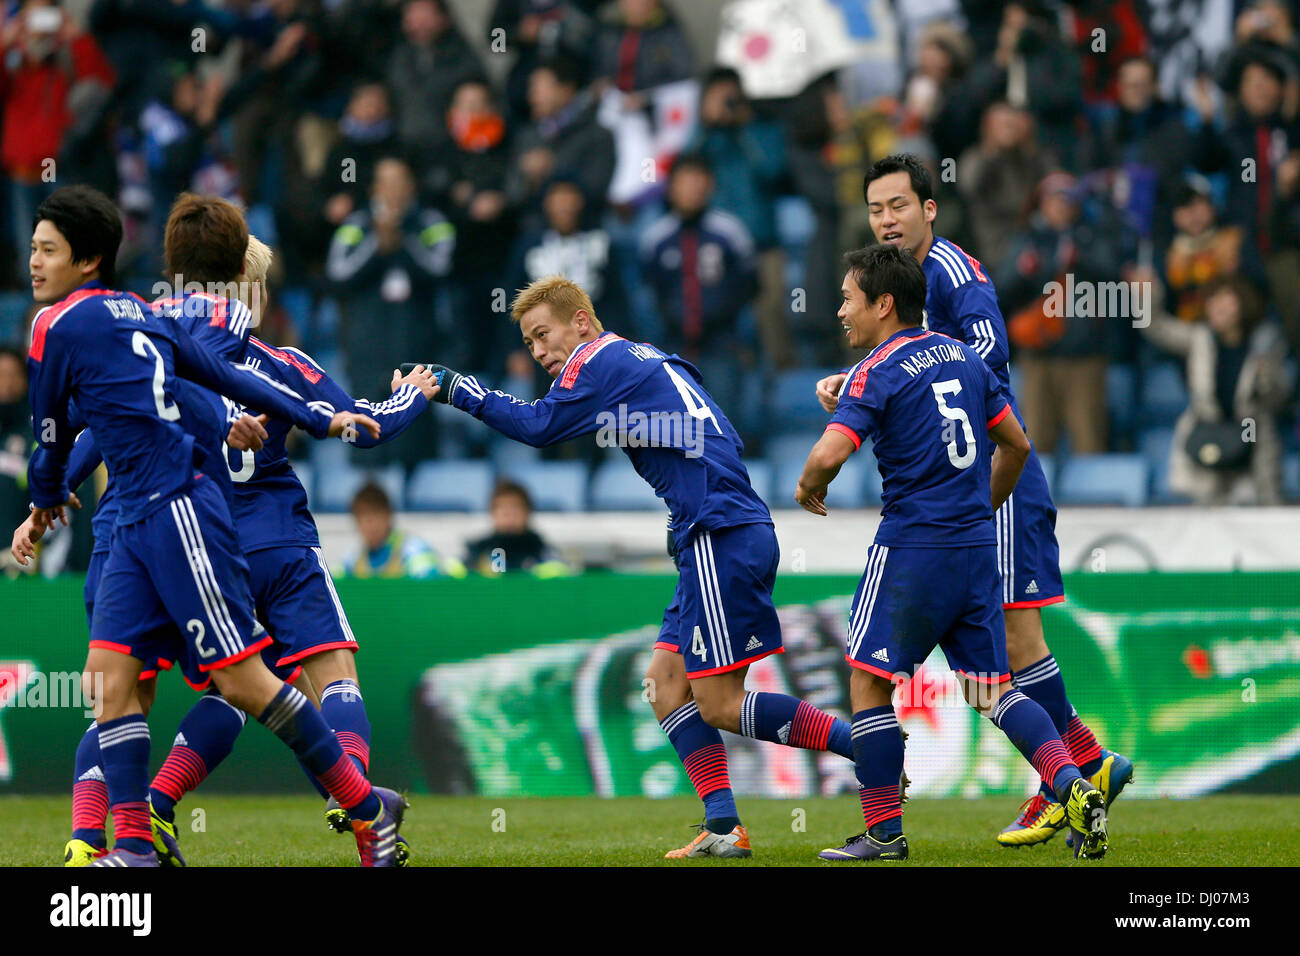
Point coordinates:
[[722, 74], [372, 495], [564, 68], [505, 488], [908, 163], [690, 161], [91, 224], [885, 268]]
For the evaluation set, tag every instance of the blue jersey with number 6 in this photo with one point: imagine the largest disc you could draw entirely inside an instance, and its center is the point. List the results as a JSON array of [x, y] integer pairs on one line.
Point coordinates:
[[653, 406], [927, 402]]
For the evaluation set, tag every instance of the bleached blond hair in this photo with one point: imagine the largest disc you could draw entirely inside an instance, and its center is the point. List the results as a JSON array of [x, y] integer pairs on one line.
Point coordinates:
[[562, 296], [251, 283]]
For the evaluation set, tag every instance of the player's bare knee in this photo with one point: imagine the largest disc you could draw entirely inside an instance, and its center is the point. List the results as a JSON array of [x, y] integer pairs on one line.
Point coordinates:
[[719, 707], [1025, 642], [665, 686], [330, 666]]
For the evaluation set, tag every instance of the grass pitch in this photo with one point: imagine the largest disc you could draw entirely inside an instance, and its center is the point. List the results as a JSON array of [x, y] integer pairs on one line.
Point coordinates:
[[515, 831]]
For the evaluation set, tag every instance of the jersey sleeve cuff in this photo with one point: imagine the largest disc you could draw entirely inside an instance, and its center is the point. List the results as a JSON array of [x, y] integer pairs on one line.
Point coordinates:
[[1006, 410], [846, 430]]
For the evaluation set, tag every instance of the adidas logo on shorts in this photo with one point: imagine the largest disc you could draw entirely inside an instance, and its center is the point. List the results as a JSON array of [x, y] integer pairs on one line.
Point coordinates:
[[881, 655], [1031, 587], [754, 644]]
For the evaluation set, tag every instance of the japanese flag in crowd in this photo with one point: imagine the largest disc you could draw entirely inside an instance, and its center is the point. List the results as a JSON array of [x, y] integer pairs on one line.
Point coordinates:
[[780, 46]]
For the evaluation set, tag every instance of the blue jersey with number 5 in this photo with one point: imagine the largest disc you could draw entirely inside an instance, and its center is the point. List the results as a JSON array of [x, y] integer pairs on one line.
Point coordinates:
[[927, 402], [653, 406]]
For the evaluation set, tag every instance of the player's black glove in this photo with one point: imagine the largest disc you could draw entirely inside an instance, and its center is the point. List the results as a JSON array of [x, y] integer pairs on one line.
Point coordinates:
[[447, 378]]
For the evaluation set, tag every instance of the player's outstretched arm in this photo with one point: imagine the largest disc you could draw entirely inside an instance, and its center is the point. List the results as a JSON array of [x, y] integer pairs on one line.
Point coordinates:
[[824, 462], [248, 387], [1008, 458], [564, 413]]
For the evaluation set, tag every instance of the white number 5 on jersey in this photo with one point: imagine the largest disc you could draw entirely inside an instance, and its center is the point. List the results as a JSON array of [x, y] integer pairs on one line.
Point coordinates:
[[953, 387]]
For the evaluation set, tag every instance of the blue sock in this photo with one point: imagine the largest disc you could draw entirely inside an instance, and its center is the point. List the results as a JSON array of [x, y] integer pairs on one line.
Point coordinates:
[[205, 738], [292, 718], [1029, 728], [89, 793], [793, 722], [700, 749], [344, 710], [878, 760], [124, 755]]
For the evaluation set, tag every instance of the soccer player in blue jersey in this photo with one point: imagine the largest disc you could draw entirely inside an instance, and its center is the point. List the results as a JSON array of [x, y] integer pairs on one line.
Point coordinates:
[[294, 594], [721, 618], [173, 555], [962, 303], [931, 406]]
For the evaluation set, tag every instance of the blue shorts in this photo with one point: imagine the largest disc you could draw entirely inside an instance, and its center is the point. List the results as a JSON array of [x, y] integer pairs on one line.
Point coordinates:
[[175, 585], [722, 617], [295, 598], [911, 599], [156, 657], [1029, 558]]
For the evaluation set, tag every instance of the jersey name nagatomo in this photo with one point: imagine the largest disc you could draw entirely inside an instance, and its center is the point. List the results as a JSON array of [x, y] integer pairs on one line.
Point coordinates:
[[926, 401]]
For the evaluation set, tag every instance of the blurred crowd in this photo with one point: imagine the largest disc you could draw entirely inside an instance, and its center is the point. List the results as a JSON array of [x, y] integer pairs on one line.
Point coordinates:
[[412, 173]]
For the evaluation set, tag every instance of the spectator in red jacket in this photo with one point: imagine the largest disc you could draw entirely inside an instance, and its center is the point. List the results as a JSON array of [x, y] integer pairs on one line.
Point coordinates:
[[54, 75]]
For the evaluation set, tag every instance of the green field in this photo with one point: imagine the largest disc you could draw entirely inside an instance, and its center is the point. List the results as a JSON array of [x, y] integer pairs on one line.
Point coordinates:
[[459, 831]]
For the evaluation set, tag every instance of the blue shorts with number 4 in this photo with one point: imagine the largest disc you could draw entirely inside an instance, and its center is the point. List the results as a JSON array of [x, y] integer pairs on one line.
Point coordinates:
[[911, 599], [179, 569], [721, 617]]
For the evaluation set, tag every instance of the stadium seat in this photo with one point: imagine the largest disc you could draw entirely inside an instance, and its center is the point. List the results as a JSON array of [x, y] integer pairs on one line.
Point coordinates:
[[794, 400], [791, 446], [1121, 400], [760, 477], [856, 486], [1291, 477], [1049, 471], [1110, 479], [507, 456], [553, 485], [617, 487], [336, 486], [450, 486], [1155, 447], [1164, 396]]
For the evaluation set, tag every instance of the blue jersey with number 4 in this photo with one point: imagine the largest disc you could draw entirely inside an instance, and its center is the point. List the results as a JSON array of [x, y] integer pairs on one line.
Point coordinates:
[[653, 406], [927, 402]]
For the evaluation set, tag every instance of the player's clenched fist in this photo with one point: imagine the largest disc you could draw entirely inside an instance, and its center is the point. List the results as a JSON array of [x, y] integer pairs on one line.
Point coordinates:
[[811, 499], [828, 390], [345, 425], [247, 433], [422, 378]]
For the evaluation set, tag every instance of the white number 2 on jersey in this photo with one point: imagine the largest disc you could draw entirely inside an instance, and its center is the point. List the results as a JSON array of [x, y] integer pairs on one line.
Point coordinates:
[[953, 387], [142, 346], [694, 403]]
